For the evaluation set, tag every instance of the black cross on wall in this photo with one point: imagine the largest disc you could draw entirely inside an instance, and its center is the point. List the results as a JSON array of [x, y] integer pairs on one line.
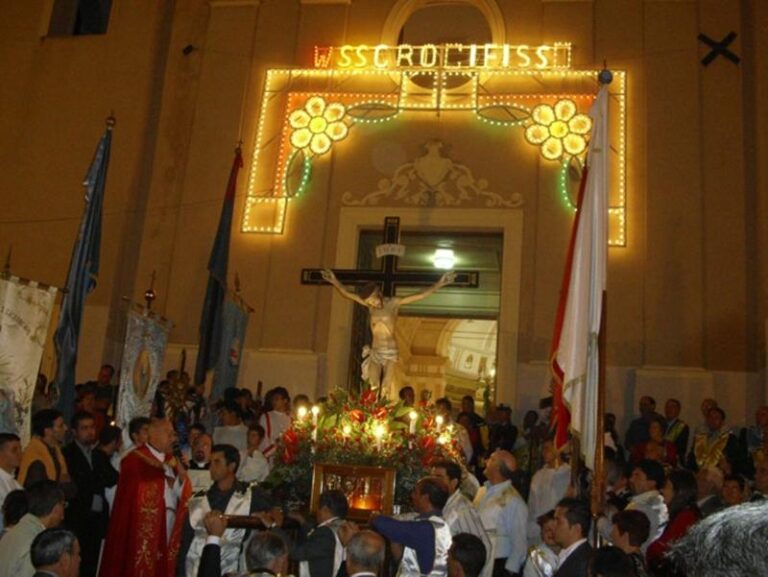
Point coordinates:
[[389, 277], [719, 48]]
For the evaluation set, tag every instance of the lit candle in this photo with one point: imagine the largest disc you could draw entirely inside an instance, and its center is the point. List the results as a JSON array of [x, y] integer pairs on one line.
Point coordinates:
[[301, 412], [315, 412], [413, 415], [439, 422], [346, 430], [378, 432]]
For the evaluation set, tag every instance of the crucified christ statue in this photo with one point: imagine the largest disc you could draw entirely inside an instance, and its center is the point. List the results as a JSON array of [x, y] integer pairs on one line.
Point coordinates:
[[380, 358]]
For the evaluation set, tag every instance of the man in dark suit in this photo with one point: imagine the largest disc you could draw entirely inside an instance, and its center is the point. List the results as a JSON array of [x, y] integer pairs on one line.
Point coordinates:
[[55, 553], [319, 550], [88, 513], [572, 521]]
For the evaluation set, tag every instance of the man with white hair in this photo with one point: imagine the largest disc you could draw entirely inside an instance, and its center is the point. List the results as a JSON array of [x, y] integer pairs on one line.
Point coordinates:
[[56, 552], [504, 514], [151, 476], [730, 543], [365, 554]]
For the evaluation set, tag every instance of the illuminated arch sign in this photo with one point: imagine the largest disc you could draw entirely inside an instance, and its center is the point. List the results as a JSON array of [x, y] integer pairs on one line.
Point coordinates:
[[528, 92], [556, 56]]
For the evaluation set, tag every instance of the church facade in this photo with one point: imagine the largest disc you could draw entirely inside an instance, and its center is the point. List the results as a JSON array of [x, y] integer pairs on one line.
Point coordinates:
[[350, 111]]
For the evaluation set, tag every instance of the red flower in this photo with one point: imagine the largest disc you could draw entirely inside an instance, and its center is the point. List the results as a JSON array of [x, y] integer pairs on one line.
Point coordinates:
[[368, 397], [357, 415], [290, 437], [427, 442], [288, 457], [380, 413]]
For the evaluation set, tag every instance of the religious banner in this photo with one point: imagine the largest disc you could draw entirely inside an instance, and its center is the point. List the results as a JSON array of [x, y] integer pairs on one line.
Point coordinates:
[[146, 335], [234, 325], [25, 315]]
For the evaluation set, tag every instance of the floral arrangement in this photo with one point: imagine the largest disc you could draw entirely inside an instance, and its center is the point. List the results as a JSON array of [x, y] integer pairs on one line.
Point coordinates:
[[362, 430]]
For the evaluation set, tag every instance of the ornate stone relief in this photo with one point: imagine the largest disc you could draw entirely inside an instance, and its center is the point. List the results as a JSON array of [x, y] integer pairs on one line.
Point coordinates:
[[433, 180]]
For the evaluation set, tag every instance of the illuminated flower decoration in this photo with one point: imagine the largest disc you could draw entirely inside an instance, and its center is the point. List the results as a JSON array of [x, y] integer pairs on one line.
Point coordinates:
[[558, 129], [318, 125]]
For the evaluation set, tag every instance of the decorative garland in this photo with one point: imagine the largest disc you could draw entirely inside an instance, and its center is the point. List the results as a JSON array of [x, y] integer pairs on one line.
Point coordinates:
[[362, 430]]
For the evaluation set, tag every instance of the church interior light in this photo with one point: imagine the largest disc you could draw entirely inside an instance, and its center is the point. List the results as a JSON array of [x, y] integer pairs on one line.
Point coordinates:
[[444, 258]]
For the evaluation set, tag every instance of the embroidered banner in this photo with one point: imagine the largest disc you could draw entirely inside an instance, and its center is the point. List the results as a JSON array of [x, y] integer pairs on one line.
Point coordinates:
[[25, 315], [146, 335], [235, 322]]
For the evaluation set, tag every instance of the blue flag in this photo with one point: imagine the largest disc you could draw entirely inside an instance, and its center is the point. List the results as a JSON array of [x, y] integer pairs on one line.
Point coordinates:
[[232, 338], [211, 319], [83, 272]]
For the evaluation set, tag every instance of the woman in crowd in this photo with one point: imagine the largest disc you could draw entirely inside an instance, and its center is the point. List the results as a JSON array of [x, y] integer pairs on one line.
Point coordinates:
[[680, 496], [656, 448]]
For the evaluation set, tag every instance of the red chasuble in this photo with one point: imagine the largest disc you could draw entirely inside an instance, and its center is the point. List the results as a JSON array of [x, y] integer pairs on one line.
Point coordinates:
[[136, 544]]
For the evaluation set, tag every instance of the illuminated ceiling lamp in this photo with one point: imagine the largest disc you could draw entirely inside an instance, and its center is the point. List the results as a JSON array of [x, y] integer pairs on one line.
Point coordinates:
[[444, 258]]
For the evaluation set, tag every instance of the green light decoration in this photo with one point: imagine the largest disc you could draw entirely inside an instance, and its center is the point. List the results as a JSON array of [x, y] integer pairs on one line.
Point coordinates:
[[562, 179], [372, 112], [505, 115], [306, 173], [558, 130]]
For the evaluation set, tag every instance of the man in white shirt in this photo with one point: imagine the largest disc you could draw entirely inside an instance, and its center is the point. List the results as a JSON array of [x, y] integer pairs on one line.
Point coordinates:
[[646, 480], [458, 511], [232, 430], [254, 468], [10, 457], [275, 421], [548, 486], [46, 510], [504, 514]]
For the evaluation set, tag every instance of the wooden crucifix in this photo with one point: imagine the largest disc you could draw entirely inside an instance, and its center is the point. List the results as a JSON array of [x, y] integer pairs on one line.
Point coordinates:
[[389, 277], [380, 357]]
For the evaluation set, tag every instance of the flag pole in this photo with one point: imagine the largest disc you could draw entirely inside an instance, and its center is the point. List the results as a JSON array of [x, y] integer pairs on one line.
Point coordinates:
[[598, 478]]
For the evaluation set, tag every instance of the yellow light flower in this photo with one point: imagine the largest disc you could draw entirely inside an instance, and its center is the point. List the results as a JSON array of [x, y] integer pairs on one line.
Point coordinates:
[[558, 129], [317, 125]]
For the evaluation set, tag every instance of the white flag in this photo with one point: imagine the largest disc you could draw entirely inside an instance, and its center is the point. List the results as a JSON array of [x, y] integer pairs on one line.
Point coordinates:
[[578, 354], [25, 314]]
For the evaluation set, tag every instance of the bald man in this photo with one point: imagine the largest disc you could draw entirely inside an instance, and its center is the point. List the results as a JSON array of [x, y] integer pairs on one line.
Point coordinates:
[[151, 481], [504, 514]]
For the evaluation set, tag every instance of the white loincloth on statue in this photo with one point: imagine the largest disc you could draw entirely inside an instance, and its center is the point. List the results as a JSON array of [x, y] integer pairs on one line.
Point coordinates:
[[378, 356]]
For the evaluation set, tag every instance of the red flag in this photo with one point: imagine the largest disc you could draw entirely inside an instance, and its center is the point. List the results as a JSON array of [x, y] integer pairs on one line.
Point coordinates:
[[560, 414]]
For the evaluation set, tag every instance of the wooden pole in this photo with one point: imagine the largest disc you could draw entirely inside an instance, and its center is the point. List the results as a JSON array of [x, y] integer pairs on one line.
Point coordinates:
[[598, 475]]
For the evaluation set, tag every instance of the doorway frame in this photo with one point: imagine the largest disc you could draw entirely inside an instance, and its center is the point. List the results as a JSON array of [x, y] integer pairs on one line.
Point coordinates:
[[508, 222]]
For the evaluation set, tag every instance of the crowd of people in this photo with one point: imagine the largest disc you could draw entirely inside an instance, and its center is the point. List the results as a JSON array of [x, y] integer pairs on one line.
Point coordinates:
[[180, 492]]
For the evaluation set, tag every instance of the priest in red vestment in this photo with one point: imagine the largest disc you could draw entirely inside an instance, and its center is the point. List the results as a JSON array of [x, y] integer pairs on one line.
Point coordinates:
[[148, 493]]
